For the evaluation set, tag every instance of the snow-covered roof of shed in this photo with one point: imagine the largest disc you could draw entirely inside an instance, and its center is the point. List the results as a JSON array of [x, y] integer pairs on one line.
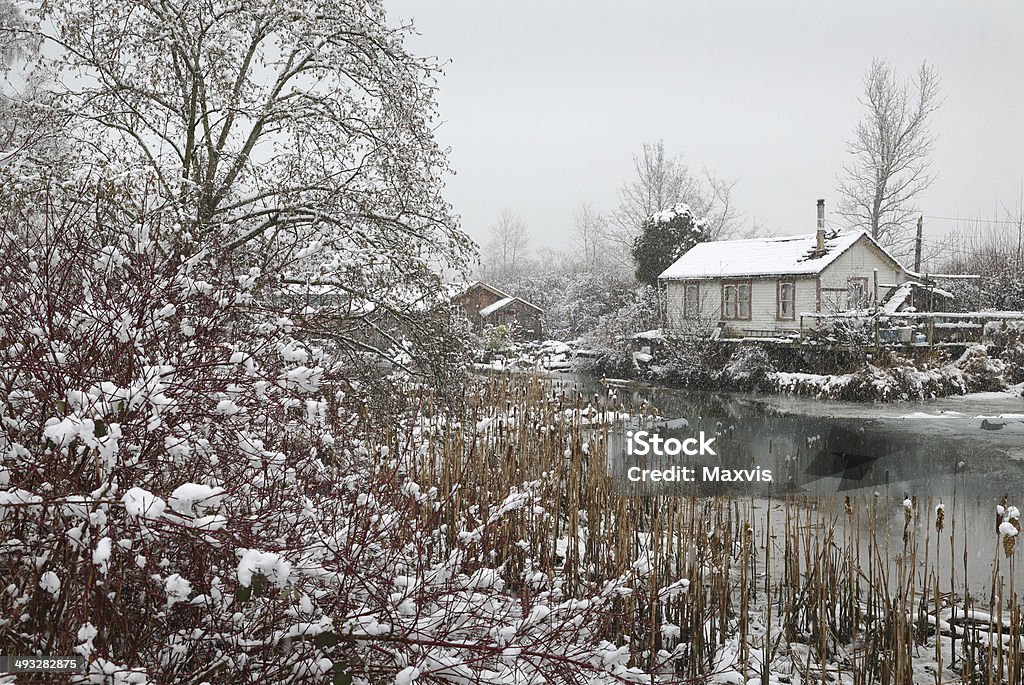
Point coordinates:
[[901, 295], [783, 256], [501, 304]]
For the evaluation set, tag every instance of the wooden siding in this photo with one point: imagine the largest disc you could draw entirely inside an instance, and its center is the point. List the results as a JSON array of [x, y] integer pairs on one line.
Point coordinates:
[[763, 293], [859, 261], [814, 293]]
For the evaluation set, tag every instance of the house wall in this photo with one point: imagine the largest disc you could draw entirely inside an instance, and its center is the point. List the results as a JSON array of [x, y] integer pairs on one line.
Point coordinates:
[[859, 261], [763, 305]]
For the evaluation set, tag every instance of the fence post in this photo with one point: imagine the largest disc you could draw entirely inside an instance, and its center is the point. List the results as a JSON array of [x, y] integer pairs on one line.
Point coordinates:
[[874, 300]]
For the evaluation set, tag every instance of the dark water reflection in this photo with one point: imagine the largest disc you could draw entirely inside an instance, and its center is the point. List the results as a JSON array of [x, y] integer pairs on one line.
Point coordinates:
[[954, 452]]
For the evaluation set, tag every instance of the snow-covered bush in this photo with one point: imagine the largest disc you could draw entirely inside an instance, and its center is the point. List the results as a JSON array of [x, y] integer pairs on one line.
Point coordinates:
[[498, 337], [981, 372], [873, 384], [611, 345], [691, 361], [1007, 340], [853, 331], [748, 366], [191, 489]]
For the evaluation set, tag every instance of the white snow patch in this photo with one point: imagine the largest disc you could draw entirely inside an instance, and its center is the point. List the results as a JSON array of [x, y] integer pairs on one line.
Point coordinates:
[[50, 582], [101, 555], [272, 566], [193, 499], [143, 504], [177, 588]]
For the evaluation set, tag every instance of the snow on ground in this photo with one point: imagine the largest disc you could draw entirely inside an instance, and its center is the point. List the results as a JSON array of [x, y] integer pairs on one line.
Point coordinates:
[[549, 355], [978, 404]]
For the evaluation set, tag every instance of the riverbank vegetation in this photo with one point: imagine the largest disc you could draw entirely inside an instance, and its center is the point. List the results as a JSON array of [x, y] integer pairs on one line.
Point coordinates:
[[868, 374], [485, 544]]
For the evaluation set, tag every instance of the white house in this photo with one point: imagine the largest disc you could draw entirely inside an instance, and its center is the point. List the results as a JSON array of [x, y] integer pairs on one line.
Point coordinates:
[[760, 287]]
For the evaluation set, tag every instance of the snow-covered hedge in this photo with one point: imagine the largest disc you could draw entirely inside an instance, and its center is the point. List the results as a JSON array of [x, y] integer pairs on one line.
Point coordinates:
[[191, 491], [1007, 338], [899, 380], [887, 378]]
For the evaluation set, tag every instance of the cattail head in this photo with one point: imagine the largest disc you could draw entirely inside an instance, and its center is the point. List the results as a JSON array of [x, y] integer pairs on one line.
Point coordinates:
[[940, 517], [1009, 533]]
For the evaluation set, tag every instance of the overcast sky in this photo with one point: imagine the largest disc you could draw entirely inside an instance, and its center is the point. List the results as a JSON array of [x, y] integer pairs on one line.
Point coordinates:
[[544, 102]]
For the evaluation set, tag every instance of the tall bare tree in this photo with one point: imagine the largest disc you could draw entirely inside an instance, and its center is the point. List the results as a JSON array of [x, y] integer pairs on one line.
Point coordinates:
[[660, 182], [590, 234], [507, 249], [12, 36], [890, 163], [29, 126]]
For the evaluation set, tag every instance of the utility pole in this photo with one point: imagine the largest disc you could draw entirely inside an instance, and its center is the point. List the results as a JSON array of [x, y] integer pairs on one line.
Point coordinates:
[[917, 244]]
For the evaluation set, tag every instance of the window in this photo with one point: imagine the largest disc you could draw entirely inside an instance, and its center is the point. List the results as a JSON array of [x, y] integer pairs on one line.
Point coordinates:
[[857, 293], [691, 301], [736, 301], [787, 301], [729, 302]]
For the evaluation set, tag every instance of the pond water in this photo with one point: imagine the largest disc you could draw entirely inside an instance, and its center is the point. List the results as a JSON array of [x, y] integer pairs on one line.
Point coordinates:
[[966, 453]]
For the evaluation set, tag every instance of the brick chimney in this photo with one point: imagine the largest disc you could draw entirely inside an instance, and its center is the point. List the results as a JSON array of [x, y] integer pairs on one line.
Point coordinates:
[[820, 247]]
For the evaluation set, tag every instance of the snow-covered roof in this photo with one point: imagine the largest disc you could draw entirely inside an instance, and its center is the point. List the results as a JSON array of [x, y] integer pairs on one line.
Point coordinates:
[[501, 304], [456, 290], [783, 256], [901, 295], [497, 306]]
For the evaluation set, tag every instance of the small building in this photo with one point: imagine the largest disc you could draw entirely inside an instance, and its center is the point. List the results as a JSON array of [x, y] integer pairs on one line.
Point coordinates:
[[761, 287], [918, 296], [485, 305]]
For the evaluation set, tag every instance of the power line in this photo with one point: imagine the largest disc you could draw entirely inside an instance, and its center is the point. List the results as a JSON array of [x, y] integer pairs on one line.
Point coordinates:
[[986, 221]]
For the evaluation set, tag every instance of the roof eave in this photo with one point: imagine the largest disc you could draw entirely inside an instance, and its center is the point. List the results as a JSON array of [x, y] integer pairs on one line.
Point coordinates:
[[719, 277]]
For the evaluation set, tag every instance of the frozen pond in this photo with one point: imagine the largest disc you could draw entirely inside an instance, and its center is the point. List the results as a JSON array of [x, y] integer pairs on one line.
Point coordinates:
[[966, 453], [968, 446]]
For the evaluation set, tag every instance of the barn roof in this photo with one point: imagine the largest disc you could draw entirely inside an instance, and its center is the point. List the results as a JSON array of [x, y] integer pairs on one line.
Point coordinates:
[[784, 256]]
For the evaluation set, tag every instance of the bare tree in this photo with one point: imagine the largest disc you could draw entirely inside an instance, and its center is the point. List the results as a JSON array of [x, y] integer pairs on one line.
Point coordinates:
[[992, 248], [274, 125], [12, 33], [591, 231], [506, 251], [890, 150], [14, 47], [295, 137], [661, 182]]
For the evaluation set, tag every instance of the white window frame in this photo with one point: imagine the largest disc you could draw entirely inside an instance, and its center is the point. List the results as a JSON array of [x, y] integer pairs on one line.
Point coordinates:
[[856, 283], [737, 300], [781, 314], [691, 310]]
